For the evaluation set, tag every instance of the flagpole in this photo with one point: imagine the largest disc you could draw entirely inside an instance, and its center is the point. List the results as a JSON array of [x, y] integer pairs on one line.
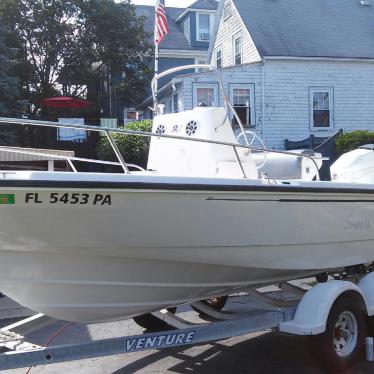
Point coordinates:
[[156, 81], [161, 29], [155, 104]]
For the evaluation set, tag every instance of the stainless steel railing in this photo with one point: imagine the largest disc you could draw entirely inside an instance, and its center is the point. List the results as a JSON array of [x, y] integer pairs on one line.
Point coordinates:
[[121, 162]]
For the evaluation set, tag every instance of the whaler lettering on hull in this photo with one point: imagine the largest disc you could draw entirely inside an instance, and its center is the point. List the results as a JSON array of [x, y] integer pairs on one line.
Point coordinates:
[[159, 341], [357, 223]]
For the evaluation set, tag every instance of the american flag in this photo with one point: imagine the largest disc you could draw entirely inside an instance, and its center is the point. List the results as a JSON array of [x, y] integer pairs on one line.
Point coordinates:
[[161, 22]]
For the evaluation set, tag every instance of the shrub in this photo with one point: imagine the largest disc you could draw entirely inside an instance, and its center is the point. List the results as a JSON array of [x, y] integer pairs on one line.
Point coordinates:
[[133, 148], [351, 140]]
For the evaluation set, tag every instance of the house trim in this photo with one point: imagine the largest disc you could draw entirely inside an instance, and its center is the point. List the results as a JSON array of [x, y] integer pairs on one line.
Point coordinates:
[[263, 119], [185, 12], [300, 58], [182, 53], [215, 29]]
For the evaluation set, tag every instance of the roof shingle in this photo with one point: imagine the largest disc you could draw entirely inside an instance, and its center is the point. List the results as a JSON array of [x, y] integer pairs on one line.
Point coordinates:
[[310, 28], [204, 4], [176, 38]]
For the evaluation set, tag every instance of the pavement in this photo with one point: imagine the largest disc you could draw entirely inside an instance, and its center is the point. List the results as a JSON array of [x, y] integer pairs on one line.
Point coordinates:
[[259, 353]]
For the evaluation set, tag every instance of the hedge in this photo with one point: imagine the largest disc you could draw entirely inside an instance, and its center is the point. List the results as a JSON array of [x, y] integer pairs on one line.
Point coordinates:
[[133, 148], [351, 140]]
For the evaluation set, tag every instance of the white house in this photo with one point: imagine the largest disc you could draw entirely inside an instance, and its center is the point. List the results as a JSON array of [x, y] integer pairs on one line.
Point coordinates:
[[291, 68]]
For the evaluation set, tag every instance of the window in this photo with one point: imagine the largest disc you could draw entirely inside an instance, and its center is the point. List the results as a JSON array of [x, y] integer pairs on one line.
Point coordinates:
[[167, 106], [237, 47], [321, 108], [242, 99], [204, 26], [227, 11], [200, 62], [205, 95], [175, 103], [218, 58]]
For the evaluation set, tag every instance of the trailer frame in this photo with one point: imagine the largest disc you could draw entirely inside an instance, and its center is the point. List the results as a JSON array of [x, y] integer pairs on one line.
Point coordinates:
[[306, 314]]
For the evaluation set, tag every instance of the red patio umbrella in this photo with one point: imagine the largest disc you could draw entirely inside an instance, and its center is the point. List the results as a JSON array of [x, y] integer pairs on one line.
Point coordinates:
[[65, 102]]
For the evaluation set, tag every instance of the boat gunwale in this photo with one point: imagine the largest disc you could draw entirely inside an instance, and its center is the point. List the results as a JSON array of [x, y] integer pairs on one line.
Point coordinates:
[[204, 187]]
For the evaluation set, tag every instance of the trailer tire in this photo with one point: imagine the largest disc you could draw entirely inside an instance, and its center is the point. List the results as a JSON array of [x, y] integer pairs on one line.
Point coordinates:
[[370, 326], [152, 323], [216, 303], [342, 343]]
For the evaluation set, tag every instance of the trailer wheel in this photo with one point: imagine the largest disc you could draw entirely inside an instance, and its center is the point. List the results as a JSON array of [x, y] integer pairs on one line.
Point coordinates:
[[342, 342], [150, 322], [216, 303], [370, 326]]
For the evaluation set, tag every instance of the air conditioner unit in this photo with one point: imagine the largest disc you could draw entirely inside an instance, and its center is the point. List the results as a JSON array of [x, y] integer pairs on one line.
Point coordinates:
[[204, 36]]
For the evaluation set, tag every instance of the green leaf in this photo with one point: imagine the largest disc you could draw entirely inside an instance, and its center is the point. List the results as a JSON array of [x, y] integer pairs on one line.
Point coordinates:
[[134, 148]]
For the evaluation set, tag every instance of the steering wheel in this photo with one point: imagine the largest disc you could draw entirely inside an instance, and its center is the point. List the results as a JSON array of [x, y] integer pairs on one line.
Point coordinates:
[[251, 136]]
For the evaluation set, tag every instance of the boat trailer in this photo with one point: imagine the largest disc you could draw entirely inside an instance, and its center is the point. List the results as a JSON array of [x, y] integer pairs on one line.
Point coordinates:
[[308, 315]]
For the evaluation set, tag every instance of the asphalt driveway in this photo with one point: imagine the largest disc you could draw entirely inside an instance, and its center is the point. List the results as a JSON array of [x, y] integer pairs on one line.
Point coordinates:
[[263, 353]]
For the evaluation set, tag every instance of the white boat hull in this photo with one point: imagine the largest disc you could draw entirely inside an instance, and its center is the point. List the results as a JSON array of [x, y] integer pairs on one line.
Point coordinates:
[[161, 245]]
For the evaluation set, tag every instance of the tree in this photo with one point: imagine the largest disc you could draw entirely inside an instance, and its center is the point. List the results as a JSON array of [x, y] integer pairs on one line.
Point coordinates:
[[66, 44], [9, 84], [10, 105], [120, 44]]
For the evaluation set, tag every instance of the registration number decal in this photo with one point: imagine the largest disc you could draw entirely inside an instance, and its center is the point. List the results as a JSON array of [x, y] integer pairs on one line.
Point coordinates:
[[69, 198]]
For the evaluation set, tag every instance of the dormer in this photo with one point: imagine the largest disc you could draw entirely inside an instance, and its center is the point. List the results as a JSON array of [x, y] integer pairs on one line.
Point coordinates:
[[197, 22]]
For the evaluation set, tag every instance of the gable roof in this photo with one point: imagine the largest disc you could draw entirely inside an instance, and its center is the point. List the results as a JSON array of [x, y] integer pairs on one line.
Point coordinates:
[[176, 38], [204, 4], [207, 5], [310, 28]]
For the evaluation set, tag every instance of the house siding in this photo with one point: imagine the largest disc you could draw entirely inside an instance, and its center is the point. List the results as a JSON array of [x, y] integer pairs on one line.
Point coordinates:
[[224, 40], [166, 63], [286, 105], [244, 74], [287, 108]]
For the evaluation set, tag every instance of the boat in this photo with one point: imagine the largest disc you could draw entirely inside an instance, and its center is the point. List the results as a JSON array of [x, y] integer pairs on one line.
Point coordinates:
[[210, 216], [355, 166]]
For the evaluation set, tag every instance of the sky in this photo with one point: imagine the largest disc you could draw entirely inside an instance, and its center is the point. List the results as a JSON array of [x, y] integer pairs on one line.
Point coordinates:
[[171, 3]]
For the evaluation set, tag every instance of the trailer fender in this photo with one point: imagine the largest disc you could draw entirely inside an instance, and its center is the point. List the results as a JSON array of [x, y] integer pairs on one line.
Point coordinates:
[[314, 308], [366, 285]]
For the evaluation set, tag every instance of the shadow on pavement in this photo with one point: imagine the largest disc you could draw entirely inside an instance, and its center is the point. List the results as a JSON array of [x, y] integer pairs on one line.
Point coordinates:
[[266, 354]]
